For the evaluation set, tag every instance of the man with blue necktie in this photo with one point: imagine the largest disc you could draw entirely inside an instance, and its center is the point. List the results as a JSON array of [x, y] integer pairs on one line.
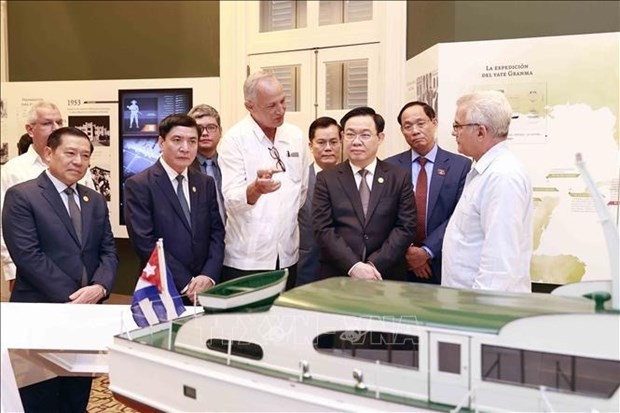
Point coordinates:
[[438, 177], [169, 200], [208, 119]]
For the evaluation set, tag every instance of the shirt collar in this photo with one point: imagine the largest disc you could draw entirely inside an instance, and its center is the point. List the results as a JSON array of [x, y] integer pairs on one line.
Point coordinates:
[[431, 155], [34, 157], [487, 159], [172, 174], [258, 132], [370, 168], [202, 159], [60, 186]]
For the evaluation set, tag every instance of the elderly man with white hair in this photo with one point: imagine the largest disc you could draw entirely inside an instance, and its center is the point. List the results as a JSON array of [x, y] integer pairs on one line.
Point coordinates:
[[488, 241]]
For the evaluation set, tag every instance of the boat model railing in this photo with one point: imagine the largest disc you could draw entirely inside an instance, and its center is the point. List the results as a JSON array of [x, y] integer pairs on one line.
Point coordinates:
[[612, 237]]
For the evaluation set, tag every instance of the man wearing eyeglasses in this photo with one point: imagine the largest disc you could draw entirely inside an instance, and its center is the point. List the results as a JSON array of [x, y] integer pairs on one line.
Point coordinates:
[[208, 120], [43, 118], [264, 165], [326, 147], [488, 240], [363, 211], [438, 177]]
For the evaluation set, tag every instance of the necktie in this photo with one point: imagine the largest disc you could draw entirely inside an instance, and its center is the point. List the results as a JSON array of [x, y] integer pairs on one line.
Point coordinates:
[[212, 171], [76, 220], [182, 200], [421, 188], [364, 190]]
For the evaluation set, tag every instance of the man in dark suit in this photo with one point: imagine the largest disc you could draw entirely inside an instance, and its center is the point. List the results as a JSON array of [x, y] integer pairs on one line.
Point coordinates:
[[59, 236], [363, 211], [325, 144], [170, 201], [438, 184], [208, 120]]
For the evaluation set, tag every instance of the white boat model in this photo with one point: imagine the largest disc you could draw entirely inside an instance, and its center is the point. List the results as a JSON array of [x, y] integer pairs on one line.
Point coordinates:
[[348, 345]]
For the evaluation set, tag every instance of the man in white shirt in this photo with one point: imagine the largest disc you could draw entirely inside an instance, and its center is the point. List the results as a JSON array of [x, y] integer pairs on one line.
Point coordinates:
[[43, 118], [488, 241], [264, 182]]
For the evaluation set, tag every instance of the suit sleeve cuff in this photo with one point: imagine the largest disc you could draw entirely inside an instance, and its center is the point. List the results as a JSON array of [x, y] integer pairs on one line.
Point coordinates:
[[428, 251]]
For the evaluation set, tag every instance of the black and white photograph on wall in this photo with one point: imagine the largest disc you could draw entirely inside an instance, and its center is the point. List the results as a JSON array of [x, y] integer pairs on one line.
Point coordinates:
[[96, 127], [4, 153], [101, 178], [3, 112], [427, 88]]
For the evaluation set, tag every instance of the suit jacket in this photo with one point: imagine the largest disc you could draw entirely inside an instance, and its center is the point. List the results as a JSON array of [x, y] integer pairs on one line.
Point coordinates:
[[342, 232], [45, 247], [308, 264], [446, 185], [152, 211], [196, 166]]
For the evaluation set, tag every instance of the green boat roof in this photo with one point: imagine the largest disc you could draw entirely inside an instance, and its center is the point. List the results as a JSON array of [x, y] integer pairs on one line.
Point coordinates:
[[428, 305]]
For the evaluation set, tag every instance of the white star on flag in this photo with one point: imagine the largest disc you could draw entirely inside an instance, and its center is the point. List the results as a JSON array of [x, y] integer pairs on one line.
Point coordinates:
[[149, 270]]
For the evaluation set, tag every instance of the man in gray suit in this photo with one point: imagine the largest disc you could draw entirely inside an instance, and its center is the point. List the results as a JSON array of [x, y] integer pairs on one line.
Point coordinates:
[[325, 144]]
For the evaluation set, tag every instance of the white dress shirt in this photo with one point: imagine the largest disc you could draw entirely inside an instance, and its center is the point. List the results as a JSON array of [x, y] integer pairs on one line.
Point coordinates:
[[257, 235], [17, 170], [369, 176], [172, 175], [488, 240]]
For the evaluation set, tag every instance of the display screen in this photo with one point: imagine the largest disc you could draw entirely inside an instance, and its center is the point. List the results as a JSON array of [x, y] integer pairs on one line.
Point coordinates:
[[140, 111]]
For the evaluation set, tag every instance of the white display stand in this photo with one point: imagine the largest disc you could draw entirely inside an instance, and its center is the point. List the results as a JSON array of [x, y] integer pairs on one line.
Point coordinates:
[[70, 339]]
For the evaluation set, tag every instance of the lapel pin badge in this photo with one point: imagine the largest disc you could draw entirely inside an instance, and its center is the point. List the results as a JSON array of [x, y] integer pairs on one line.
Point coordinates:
[[441, 172], [85, 198], [380, 180], [193, 189]]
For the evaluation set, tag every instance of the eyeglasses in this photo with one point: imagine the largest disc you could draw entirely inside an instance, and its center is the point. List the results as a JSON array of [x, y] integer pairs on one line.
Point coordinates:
[[456, 127], [323, 144], [408, 127], [210, 128], [276, 155], [350, 136], [49, 123]]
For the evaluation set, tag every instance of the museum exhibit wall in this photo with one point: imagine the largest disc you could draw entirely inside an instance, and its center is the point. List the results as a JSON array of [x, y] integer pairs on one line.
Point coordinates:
[[561, 106], [59, 41]]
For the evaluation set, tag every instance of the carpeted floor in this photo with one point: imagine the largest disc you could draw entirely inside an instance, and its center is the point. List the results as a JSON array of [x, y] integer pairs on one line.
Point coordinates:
[[101, 400]]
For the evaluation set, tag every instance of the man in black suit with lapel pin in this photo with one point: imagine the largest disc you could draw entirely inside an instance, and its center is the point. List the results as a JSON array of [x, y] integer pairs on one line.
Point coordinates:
[[58, 234], [171, 201], [363, 210]]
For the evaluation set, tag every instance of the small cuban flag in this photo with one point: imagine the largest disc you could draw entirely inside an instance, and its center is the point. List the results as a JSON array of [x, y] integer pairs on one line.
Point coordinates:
[[156, 298]]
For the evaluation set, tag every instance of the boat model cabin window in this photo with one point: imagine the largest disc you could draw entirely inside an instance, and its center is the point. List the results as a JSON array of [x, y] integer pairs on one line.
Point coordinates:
[[238, 348], [560, 372], [449, 357], [389, 348]]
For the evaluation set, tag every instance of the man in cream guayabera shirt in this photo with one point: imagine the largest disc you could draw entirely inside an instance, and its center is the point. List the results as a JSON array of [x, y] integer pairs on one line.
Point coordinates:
[[264, 181], [488, 241]]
